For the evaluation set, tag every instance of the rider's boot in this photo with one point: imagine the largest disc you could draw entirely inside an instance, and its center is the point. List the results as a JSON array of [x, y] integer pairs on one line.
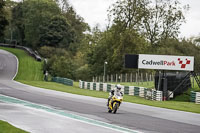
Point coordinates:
[[108, 102]]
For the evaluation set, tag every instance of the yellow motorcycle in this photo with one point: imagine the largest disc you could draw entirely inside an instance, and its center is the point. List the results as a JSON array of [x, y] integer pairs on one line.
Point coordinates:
[[115, 102]]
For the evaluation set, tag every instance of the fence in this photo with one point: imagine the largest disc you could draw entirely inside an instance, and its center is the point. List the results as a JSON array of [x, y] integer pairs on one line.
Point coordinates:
[[129, 90], [128, 77], [64, 81], [195, 97]]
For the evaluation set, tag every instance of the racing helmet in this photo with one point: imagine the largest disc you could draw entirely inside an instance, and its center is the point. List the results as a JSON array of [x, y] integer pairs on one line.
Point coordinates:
[[118, 86]]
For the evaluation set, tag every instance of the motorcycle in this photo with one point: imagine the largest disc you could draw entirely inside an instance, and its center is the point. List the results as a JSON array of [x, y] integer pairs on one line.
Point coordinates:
[[115, 102]]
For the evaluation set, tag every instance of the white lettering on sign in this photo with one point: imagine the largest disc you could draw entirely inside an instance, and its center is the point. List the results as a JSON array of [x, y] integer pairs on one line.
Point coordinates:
[[166, 62]]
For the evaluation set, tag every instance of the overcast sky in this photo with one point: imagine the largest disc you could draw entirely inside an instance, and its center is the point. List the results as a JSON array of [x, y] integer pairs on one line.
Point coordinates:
[[95, 12]]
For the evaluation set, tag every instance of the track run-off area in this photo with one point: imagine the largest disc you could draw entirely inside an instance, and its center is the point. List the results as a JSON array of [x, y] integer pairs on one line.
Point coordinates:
[[40, 110]]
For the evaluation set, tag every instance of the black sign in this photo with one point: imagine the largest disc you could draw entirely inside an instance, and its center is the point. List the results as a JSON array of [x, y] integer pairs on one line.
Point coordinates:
[[131, 61]]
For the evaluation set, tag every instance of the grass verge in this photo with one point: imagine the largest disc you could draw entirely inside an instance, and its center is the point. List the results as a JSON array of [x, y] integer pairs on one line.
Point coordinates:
[[7, 128]]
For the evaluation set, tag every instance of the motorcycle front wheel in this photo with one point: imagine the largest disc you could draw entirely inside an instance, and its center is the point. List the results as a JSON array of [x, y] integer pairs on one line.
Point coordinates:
[[115, 108]]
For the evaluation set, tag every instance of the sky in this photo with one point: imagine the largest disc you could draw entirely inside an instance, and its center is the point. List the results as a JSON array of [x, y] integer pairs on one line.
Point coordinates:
[[95, 12]]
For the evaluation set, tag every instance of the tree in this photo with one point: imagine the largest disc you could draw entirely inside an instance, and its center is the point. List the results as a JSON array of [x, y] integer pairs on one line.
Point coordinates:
[[78, 25], [18, 22], [163, 20], [30, 15], [156, 19], [56, 31], [111, 46], [128, 13], [3, 19]]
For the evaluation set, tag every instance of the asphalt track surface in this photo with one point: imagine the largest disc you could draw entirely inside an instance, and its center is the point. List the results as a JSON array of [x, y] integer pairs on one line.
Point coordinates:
[[133, 116]]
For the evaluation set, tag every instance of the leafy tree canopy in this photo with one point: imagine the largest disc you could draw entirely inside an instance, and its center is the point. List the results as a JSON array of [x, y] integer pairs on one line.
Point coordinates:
[[3, 19]]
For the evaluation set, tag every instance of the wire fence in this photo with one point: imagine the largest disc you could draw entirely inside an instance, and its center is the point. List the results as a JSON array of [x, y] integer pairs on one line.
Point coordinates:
[[128, 77], [138, 78]]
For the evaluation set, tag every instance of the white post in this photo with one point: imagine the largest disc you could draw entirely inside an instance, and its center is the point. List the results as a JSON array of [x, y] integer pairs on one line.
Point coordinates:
[[126, 77], [142, 78], [138, 76], [104, 74], [131, 77], [136, 79], [121, 78]]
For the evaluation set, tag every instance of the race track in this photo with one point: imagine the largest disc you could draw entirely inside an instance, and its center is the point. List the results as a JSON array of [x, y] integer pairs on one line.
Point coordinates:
[[130, 116]]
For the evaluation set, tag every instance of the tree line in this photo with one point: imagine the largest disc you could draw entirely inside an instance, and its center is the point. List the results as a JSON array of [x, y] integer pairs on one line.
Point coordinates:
[[76, 51]]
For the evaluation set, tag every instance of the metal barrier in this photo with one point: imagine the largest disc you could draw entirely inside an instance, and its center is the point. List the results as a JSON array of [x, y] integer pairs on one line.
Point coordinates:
[[64, 81], [129, 90], [32, 53], [195, 97]]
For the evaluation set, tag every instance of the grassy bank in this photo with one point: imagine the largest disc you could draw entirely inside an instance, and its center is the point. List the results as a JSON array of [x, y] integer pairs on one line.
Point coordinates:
[[29, 69], [7, 128], [177, 105]]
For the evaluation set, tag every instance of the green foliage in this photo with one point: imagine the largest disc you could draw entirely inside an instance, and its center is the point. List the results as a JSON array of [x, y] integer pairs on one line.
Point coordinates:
[[37, 23], [138, 27], [156, 19], [55, 32], [60, 62], [3, 19], [180, 47], [111, 46], [30, 15], [62, 66], [17, 21], [78, 27]]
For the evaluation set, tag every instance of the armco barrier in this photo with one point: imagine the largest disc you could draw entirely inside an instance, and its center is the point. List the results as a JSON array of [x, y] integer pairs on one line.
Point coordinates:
[[98, 86], [88, 85], [94, 86], [64, 81], [32, 53], [91, 86], [126, 89], [108, 87], [148, 94], [129, 90], [136, 91], [197, 101], [195, 97], [101, 87]]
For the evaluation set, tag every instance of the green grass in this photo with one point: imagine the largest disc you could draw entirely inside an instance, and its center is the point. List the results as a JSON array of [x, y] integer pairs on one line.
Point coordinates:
[[29, 69], [177, 105], [7, 128]]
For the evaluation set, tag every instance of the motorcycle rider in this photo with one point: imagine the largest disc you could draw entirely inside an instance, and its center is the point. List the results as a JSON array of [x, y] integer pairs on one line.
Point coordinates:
[[117, 89]]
